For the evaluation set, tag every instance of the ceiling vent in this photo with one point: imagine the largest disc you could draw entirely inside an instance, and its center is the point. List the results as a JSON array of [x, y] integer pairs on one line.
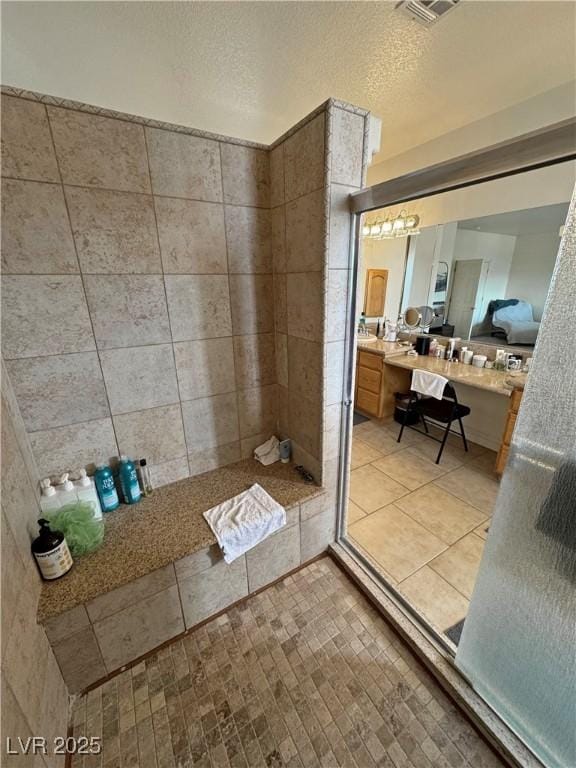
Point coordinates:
[[426, 12]]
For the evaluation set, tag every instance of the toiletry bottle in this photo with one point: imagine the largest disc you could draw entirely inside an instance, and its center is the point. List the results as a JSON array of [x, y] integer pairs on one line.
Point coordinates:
[[51, 552], [129, 481], [65, 490], [145, 478], [49, 501], [86, 491], [107, 493]]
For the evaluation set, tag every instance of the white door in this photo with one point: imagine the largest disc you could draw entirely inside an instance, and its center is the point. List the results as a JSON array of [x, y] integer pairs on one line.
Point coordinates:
[[463, 296]]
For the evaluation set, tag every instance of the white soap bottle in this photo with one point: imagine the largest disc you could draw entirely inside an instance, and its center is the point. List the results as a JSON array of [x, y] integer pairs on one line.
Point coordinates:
[[86, 491], [49, 500], [65, 490]]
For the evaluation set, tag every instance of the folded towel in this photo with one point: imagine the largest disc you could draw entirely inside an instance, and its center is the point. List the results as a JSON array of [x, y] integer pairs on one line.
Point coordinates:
[[268, 452], [429, 384], [244, 521]]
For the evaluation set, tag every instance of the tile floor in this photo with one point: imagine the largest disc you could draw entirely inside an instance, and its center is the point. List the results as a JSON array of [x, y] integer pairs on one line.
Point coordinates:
[[304, 674], [423, 525]]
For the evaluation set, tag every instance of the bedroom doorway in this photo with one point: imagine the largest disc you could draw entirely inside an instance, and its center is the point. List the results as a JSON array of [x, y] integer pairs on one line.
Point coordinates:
[[464, 295]]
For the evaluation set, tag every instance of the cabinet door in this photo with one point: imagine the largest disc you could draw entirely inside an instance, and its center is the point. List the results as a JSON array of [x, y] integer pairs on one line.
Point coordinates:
[[375, 295]]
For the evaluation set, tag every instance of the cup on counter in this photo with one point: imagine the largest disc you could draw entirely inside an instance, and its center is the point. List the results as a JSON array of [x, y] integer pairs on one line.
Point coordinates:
[[479, 361], [467, 356]]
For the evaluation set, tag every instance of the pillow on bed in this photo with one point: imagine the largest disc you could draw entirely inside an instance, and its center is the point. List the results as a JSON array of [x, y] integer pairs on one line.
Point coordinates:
[[519, 313]]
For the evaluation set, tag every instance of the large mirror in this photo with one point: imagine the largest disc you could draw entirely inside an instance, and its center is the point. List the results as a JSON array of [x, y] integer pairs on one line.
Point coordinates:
[[486, 278]]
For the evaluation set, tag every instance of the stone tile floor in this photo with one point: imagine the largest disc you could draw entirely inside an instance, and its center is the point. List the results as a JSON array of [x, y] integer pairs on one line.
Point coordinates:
[[422, 525], [304, 674]]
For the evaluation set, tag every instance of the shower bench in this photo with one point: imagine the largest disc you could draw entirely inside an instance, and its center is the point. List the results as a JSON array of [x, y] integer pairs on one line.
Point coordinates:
[[160, 572]]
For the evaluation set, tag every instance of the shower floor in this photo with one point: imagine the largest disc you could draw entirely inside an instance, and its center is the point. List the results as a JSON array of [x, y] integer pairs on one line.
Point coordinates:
[[303, 674]]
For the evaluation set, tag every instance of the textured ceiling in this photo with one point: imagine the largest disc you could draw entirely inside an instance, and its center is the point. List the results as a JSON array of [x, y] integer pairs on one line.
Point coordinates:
[[533, 221], [252, 69]]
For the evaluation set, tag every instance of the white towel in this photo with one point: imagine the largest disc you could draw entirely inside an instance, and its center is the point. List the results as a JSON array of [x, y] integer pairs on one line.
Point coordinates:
[[427, 383], [268, 452], [244, 521]]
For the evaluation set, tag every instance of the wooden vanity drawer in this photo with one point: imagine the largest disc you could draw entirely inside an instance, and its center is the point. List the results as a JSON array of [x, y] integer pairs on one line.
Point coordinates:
[[369, 379], [367, 401], [368, 360]]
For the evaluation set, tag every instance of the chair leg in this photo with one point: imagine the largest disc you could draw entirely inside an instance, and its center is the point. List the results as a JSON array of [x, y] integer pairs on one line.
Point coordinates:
[[463, 434], [443, 442], [424, 422], [404, 420]]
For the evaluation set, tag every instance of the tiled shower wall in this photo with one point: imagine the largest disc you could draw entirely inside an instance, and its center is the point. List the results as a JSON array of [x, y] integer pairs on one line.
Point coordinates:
[[34, 696], [137, 291]]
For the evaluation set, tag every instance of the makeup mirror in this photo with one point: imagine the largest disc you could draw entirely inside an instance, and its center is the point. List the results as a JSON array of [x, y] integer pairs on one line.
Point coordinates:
[[412, 318]]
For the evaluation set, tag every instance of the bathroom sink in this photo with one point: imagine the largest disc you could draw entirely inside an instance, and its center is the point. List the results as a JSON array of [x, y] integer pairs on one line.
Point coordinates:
[[368, 339]]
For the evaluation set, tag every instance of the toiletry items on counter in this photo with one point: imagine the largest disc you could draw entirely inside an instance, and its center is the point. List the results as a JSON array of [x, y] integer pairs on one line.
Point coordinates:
[[49, 501], [500, 361], [145, 477], [466, 356], [129, 484], [86, 491], [478, 361], [51, 552], [104, 480]]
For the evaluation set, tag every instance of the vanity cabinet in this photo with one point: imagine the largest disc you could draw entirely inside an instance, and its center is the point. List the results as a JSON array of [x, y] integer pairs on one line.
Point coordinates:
[[502, 458], [376, 384]]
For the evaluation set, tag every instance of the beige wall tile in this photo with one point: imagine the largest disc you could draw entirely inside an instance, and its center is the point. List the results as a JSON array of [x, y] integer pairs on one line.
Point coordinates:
[[60, 627], [306, 423], [257, 410], [139, 628], [27, 151], [115, 232], [169, 472], [36, 235], [130, 594], [280, 303], [197, 562], [304, 159], [332, 426], [199, 306], [347, 144], [246, 175], [80, 660], [155, 434], [13, 571], [278, 238], [139, 377], [95, 151], [305, 300], [459, 564], [442, 605], [281, 347], [44, 315], [184, 166], [248, 444], [441, 513], [372, 489], [277, 175], [251, 298], [317, 533], [339, 256], [205, 459], [13, 415], [334, 372], [283, 416], [210, 421], [337, 304], [248, 235], [127, 310], [273, 557], [58, 390], [192, 236], [309, 462], [254, 360], [305, 231], [398, 543], [205, 367], [78, 445], [305, 367], [212, 590], [314, 506]]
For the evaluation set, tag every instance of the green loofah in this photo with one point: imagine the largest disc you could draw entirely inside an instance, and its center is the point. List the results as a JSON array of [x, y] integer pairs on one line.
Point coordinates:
[[82, 531]]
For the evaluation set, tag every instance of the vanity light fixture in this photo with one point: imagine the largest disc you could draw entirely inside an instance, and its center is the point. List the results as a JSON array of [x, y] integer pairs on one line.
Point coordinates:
[[400, 225]]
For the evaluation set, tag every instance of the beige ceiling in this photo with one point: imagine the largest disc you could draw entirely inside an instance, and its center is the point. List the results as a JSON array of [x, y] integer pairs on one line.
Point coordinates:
[[252, 69]]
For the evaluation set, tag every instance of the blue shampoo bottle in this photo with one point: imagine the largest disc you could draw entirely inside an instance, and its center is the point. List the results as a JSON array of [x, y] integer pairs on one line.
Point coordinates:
[[104, 481], [129, 481]]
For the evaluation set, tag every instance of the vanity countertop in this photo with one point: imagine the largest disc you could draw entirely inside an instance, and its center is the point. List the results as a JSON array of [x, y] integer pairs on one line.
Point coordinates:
[[165, 527], [380, 347], [498, 382]]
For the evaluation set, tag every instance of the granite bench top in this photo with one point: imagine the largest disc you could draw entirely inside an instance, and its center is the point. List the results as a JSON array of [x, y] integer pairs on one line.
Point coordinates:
[[163, 528]]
